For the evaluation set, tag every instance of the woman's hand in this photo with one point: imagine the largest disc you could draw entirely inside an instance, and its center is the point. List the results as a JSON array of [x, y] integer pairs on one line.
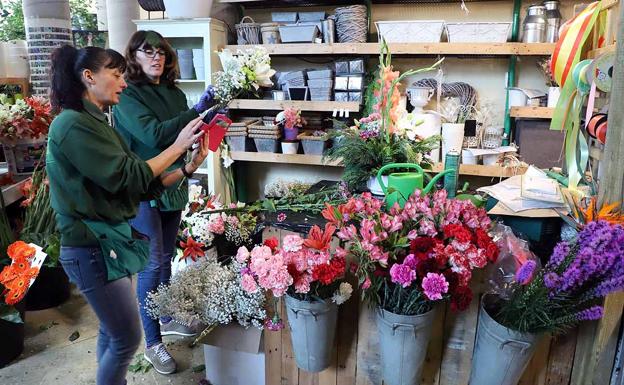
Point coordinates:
[[189, 135], [200, 153]]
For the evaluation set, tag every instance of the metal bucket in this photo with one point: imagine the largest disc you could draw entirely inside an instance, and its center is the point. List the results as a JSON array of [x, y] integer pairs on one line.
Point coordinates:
[[501, 354], [403, 342], [312, 330]]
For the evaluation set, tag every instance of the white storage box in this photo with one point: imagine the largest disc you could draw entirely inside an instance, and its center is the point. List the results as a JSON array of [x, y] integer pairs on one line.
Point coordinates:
[[478, 32], [234, 355], [410, 31]]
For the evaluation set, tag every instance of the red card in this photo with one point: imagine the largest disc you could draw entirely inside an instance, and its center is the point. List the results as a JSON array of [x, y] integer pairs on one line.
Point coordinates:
[[216, 130]]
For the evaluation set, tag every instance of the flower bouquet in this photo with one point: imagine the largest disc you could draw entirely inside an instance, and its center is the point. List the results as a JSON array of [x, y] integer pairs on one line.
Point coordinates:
[[292, 121], [567, 290], [313, 280], [23, 129], [378, 138], [409, 260], [211, 293]]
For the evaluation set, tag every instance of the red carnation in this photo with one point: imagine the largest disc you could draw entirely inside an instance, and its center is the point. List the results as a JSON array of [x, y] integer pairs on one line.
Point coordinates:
[[459, 232], [491, 252], [427, 266], [272, 243], [461, 298], [327, 273], [483, 239], [422, 247]]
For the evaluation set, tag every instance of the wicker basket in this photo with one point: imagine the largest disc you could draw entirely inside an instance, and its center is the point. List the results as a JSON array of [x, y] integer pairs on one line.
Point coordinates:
[[478, 32], [152, 5], [248, 31]]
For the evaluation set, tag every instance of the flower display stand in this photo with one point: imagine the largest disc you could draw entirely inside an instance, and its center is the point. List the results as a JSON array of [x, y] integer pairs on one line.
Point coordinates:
[[234, 355]]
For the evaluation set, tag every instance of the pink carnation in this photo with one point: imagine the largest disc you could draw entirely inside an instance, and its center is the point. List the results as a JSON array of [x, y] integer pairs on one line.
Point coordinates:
[[402, 274], [242, 254], [249, 283], [434, 285], [217, 225], [292, 243]]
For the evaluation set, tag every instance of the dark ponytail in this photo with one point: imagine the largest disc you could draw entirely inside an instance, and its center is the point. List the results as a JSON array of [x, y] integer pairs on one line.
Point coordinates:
[[66, 86]]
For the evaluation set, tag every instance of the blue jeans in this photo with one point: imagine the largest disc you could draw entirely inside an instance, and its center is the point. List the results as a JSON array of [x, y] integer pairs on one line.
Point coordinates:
[[162, 229], [114, 304]]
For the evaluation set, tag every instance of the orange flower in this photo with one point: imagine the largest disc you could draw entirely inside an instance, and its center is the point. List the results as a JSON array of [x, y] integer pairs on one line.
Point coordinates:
[[7, 274], [14, 296], [319, 240], [331, 214], [192, 249], [20, 250], [19, 283]]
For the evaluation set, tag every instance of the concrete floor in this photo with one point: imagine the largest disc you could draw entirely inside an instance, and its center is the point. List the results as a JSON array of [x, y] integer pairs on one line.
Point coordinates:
[[49, 358]]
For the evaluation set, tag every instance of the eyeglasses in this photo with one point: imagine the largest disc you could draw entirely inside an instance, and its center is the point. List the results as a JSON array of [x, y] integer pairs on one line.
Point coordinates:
[[150, 53]]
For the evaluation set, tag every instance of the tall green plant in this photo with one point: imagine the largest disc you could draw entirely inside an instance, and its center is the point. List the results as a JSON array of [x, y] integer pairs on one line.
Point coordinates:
[[11, 20]]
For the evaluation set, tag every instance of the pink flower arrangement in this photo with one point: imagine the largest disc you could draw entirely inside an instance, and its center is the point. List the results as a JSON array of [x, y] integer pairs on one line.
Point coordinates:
[[424, 252], [28, 118], [292, 118]]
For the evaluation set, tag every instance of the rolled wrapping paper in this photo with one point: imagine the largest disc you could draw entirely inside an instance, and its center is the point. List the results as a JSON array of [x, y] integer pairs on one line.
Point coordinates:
[[452, 138]]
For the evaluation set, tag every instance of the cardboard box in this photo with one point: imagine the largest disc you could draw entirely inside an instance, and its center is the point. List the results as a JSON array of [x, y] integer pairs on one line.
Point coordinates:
[[234, 355]]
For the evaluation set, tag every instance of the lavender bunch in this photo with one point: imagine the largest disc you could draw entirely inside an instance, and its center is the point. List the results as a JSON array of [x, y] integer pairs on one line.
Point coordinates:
[[569, 289]]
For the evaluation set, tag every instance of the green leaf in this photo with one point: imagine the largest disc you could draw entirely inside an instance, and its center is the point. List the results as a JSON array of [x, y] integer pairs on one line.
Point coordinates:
[[10, 314], [269, 205]]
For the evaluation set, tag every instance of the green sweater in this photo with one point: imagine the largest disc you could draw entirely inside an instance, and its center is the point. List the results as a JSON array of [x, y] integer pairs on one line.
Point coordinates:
[[93, 174], [149, 117]]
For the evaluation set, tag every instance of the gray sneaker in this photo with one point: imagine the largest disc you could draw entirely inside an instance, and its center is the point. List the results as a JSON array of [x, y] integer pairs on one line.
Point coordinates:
[[177, 328], [160, 359]]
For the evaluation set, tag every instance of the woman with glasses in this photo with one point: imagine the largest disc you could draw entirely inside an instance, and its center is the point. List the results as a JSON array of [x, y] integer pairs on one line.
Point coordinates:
[[150, 114]]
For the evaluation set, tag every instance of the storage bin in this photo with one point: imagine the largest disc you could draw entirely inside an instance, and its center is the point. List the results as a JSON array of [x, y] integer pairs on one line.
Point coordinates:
[[299, 33], [342, 67], [342, 83], [410, 31], [341, 96], [313, 147], [237, 143], [355, 96], [266, 145], [320, 74], [284, 17], [321, 83], [356, 66], [312, 16], [355, 83], [270, 33], [478, 32]]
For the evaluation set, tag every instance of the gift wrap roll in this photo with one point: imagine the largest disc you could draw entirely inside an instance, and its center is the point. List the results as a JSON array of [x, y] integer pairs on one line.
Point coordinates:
[[452, 138]]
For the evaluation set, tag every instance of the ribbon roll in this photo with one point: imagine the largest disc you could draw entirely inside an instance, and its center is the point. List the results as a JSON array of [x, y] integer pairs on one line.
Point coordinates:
[[594, 122], [601, 132]]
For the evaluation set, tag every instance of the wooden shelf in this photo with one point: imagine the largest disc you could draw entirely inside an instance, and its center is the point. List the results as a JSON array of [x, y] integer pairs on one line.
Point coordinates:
[[268, 157], [316, 160], [532, 112], [303, 105], [473, 49], [599, 51]]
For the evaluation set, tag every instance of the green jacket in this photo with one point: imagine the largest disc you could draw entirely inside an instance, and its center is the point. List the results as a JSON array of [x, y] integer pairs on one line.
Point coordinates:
[[93, 175], [150, 117]]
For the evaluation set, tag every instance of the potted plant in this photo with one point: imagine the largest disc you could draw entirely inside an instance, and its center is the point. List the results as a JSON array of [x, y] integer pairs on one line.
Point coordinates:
[[292, 122], [23, 129], [52, 288], [15, 280], [312, 278], [551, 299], [378, 138], [409, 260]]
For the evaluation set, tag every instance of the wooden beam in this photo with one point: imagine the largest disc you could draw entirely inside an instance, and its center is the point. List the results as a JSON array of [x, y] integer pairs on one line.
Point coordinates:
[[303, 105], [472, 49], [531, 112]]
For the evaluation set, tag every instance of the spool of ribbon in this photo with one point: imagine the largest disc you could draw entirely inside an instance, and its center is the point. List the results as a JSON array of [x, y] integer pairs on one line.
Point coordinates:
[[594, 123], [601, 71]]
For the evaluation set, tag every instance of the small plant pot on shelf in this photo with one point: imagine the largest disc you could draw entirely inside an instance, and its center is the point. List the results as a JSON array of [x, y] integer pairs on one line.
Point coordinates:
[[290, 147], [291, 133], [313, 144], [237, 143], [266, 145]]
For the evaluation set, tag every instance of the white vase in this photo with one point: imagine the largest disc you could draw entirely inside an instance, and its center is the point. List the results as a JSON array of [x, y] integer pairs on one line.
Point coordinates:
[[290, 147], [468, 158], [188, 9], [553, 96], [374, 186], [452, 138]]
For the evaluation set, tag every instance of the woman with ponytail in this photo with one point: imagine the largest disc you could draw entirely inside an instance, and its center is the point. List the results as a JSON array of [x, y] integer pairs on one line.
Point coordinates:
[[96, 184], [150, 113]]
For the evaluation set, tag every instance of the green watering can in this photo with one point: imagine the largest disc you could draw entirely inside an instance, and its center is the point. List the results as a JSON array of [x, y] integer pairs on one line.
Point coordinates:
[[403, 184]]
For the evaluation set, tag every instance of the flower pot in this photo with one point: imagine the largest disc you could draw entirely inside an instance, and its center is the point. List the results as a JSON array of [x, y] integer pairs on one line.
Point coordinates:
[[290, 133], [314, 147], [50, 289], [23, 155], [500, 354], [290, 147], [266, 145], [374, 187], [312, 331], [12, 337], [403, 342], [452, 138], [188, 9]]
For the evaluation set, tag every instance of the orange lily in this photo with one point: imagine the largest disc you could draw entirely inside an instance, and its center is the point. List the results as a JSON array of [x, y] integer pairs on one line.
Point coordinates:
[[318, 239], [192, 249]]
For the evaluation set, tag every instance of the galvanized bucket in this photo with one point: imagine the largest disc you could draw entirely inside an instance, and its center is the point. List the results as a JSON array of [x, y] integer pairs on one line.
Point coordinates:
[[403, 341], [312, 330], [501, 354]]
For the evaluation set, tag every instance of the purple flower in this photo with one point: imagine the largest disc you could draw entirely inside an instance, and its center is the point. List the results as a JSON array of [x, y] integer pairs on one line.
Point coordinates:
[[608, 286], [275, 324], [559, 253], [281, 217], [434, 286], [551, 280], [524, 275], [411, 261], [591, 314], [402, 274]]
